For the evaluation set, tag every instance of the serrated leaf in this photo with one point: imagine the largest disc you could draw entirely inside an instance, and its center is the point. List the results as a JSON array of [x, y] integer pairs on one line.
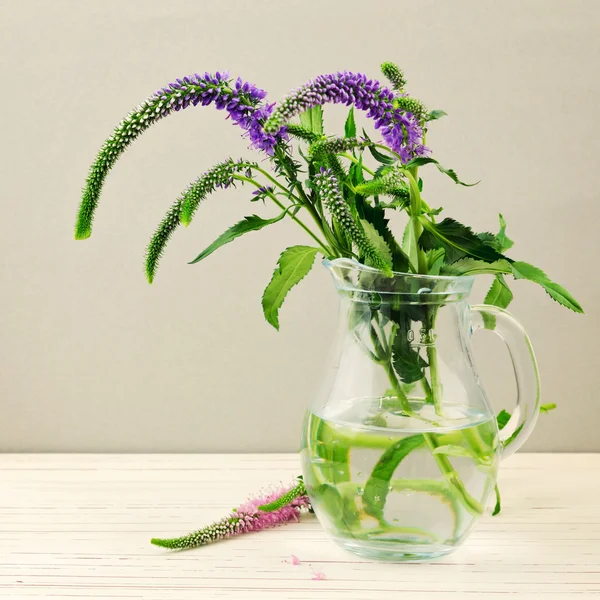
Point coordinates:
[[419, 161], [545, 408], [408, 363], [457, 240], [293, 264], [523, 270], [499, 241], [473, 266], [377, 241], [376, 216], [247, 224], [312, 119], [436, 114], [350, 125], [435, 261], [499, 295]]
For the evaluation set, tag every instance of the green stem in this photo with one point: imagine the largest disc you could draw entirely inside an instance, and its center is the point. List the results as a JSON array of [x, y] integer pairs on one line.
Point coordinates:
[[452, 477], [275, 182], [326, 250], [356, 161], [415, 213], [432, 358], [305, 201]]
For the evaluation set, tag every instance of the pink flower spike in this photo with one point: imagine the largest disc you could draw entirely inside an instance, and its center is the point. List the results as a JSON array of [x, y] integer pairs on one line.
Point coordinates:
[[295, 560]]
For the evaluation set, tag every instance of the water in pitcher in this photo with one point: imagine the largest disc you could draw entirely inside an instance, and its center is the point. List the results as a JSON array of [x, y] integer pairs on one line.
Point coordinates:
[[398, 485]]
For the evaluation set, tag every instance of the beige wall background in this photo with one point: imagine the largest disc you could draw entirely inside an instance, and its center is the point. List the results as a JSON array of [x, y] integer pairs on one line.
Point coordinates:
[[94, 359]]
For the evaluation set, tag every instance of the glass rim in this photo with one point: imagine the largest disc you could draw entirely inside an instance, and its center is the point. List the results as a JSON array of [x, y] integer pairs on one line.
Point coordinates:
[[353, 264]]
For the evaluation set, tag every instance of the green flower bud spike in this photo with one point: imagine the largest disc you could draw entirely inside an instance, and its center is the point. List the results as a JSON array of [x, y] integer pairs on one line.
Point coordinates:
[[182, 211], [327, 185], [299, 490], [390, 183], [321, 149], [394, 74], [411, 105]]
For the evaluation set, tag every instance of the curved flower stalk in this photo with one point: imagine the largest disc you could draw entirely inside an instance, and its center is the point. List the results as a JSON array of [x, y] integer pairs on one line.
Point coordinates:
[[253, 515], [240, 101], [401, 130], [327, 185], [220, 176], [182, 211]]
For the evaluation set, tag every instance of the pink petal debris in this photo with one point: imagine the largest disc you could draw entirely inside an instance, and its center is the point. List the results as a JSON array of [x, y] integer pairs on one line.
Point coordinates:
[[295, 560], [318, 575]]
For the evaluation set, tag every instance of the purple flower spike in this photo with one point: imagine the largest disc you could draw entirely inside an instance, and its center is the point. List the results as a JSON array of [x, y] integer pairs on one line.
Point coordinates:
[[240, 101], [400, 129]]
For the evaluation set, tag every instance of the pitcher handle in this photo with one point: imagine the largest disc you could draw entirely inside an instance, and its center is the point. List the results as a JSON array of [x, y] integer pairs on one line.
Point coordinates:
[[520, 425]]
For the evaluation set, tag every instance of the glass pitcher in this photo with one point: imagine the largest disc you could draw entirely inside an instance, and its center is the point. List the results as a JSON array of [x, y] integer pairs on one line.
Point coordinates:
[[400, 450]]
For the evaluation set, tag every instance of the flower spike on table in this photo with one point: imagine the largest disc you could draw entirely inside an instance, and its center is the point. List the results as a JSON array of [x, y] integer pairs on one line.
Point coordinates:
[[284, 505]]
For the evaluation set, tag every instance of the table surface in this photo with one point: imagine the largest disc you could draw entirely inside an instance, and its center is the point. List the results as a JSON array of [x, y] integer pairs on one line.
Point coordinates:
[[78, 526]]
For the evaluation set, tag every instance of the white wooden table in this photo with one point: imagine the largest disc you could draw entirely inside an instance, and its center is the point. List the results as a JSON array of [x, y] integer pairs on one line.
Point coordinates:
[[77, 526]]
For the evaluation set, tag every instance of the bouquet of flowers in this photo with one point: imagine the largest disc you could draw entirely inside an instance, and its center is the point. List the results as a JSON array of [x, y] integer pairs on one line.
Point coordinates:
[[339, 189]]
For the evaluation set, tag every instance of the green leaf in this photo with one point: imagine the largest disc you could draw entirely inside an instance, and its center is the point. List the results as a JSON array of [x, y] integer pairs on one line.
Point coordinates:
[[502, 419], [379, 157], [377, 486], [505, 242], [355, 173], [435, 261], [350, 126], [473, 266], [500, 241], [252, 223], [457, 240], [499, 295], [293, 264], [436, 114], [377, 241], [312, 119], [419, 161], [545, 408], [376, 216], [407, 361], [408, 244], [523, 270], [498, 506]]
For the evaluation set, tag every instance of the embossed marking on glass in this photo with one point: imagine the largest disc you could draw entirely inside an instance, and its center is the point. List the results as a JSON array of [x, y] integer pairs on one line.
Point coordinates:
[[400, 450]]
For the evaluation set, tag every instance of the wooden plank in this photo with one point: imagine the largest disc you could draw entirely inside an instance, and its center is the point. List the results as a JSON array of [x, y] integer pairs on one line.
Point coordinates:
[[77, 526]]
